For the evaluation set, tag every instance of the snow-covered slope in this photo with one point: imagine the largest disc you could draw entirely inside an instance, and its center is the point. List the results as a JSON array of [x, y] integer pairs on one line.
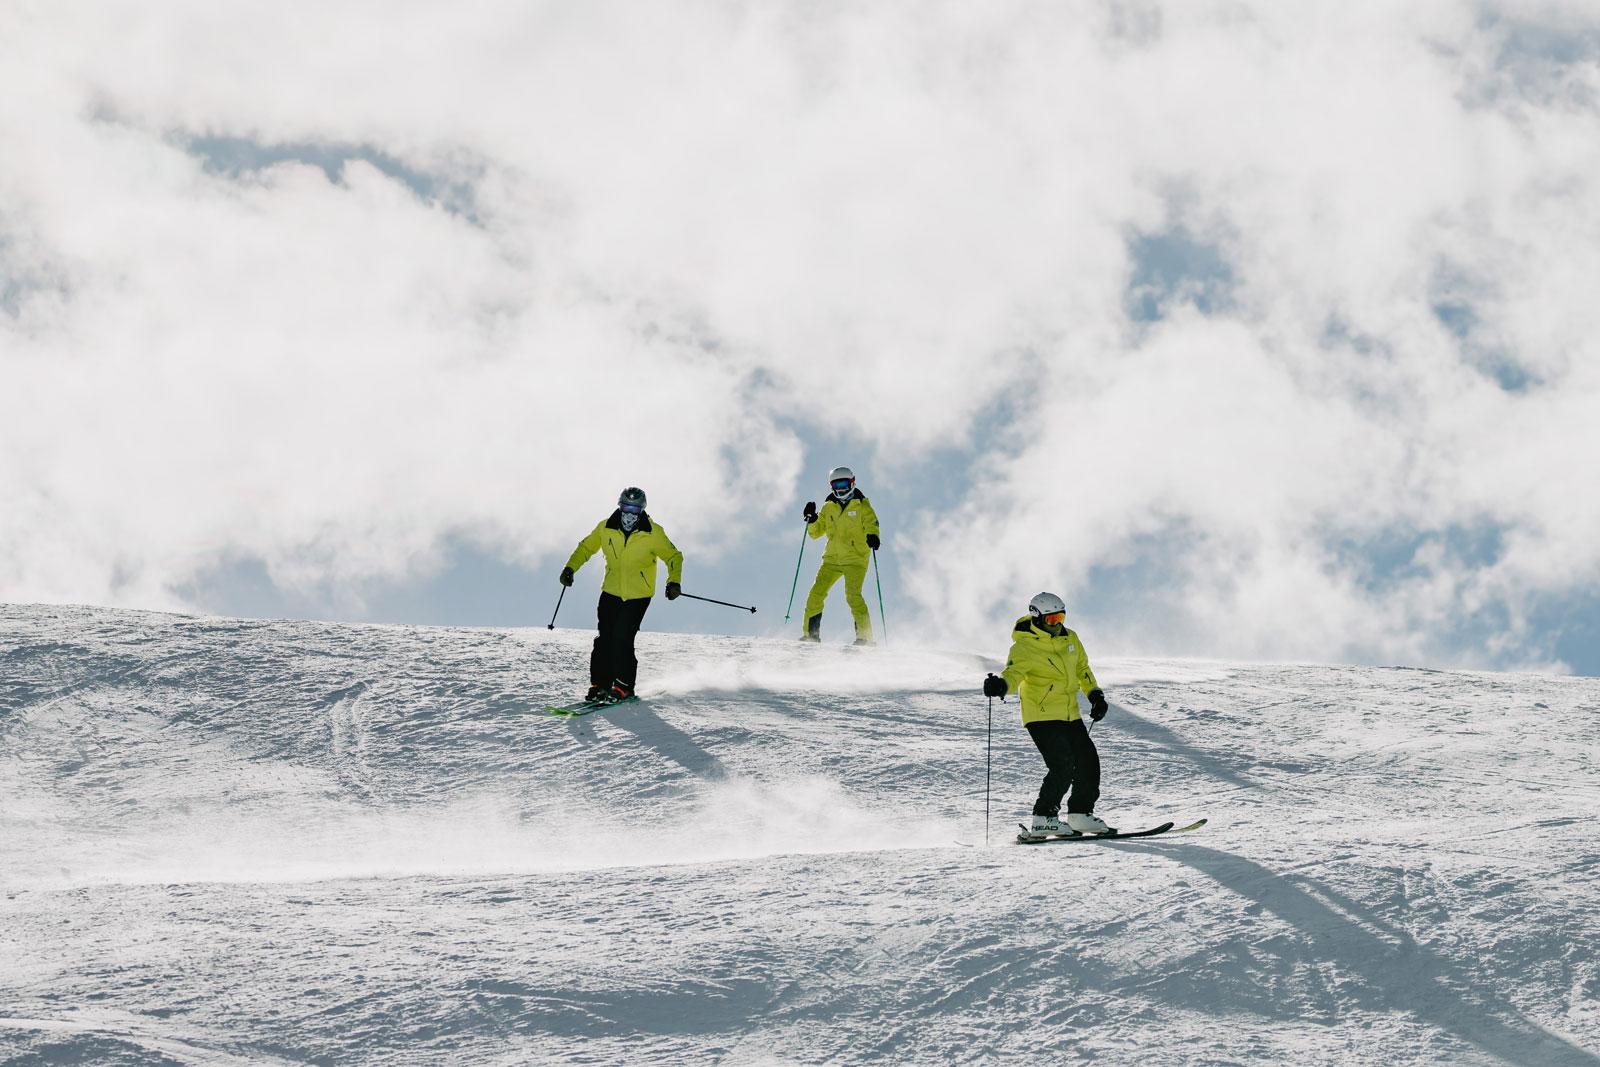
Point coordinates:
[[230, 841]]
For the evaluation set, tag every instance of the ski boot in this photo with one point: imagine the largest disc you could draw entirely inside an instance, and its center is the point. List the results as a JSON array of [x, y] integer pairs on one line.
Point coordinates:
[[1084, 822], [813, 634], [595, 693], [618, 692]]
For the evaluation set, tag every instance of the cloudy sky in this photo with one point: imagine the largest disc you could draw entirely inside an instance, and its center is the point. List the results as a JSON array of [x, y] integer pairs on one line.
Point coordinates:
[[1255, 329]]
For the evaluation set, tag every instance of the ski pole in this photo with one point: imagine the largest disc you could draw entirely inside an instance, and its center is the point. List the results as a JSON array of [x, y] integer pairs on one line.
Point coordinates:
[[879, 579], [988, 765], [556, 612], [724, 603], [797, 562]]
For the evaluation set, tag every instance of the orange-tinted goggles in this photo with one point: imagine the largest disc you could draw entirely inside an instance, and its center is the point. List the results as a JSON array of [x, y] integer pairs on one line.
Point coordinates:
[[1055, 618]]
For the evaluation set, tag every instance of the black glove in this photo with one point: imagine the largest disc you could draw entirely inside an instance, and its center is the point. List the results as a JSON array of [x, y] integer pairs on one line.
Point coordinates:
[[994, 686], [566, 575], [674, 591], [811, 512], [873, 542], [1097, 705]]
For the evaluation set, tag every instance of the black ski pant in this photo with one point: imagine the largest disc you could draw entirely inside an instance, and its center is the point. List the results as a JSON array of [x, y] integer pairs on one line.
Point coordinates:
[[613, 659], [1070, 754]]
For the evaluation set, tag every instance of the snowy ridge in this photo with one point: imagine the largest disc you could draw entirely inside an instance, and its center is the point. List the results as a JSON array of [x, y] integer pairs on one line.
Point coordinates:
[[226, 841]]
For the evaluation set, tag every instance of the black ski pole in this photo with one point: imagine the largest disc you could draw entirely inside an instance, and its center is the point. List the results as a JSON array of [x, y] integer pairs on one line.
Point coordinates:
[[796, 583], [724, 603], [556, 612], [988, 765]]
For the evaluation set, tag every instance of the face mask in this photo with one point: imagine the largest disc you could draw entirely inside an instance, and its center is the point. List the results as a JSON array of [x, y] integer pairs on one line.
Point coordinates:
[[842, 490], [629, 522]]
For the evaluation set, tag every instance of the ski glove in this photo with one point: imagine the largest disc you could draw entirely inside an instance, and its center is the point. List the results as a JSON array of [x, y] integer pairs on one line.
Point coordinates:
[[873, 542], [994, 686], [566, 575], [1097, 705], [674, 591], [811, 512]]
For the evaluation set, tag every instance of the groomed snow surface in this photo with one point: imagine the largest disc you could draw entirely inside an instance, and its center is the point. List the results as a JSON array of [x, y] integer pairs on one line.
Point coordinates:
[[291, 842]]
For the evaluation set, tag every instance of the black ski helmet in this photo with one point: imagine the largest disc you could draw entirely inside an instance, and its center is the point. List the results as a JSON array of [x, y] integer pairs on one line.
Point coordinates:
[[632, 496]]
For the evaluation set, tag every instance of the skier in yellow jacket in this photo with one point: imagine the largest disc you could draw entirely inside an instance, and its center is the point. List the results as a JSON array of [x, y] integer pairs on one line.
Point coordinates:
[[632, 544], [851, 527], [1048, 668]]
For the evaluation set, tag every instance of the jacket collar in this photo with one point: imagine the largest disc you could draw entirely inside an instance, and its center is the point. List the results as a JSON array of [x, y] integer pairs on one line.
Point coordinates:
[[615, 522]]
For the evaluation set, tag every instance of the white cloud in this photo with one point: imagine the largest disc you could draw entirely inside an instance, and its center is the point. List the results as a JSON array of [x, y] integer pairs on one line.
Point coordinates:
[[1345, 173], [685, 224]]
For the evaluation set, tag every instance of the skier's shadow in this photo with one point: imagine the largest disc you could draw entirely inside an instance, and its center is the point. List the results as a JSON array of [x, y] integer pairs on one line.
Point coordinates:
[[669, 741], [1208, 762], [1397, 974]]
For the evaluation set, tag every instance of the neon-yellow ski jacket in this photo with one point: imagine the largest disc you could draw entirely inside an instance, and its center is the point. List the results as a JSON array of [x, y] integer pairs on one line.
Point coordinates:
[[845, 524], [1047, 672], [630, 556]]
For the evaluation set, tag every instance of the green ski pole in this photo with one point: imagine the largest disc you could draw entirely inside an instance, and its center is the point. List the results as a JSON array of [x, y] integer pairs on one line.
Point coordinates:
[[879, 579], [797, 563]]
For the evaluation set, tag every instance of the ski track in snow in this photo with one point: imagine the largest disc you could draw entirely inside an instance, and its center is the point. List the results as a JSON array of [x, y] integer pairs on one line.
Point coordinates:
[[290, 842]]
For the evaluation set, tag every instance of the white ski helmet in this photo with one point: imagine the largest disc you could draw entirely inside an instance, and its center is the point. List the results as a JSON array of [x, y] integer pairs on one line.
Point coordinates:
[[1046, 604], [842, 474]]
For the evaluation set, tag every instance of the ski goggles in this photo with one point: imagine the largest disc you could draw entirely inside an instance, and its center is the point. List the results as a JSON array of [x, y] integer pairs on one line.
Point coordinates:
[[842, 485], [1055, 618], [630, 509]]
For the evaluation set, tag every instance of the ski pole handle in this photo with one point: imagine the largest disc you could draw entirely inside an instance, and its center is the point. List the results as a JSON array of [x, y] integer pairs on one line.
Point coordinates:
[[556, 612], [724, 603]]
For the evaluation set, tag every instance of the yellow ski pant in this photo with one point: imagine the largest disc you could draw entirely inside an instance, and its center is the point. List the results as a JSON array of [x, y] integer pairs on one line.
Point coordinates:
[[854, 574]]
